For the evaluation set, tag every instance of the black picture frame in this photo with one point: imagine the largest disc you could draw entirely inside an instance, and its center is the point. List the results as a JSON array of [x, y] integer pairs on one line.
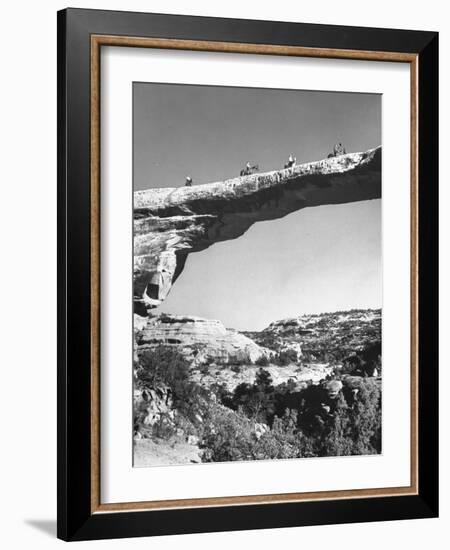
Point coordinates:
[[76, 521]]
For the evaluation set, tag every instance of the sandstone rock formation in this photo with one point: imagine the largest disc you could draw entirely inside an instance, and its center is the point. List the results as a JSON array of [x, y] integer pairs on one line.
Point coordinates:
[[170, 223], [150, 405], [333, 387], [325, 335], [200, 340]]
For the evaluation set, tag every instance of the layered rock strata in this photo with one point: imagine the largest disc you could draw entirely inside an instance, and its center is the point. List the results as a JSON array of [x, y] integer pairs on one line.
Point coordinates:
[[200, 340]]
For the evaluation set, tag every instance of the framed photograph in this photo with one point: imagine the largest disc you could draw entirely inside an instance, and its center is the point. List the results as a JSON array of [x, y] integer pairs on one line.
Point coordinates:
[[247, 242]]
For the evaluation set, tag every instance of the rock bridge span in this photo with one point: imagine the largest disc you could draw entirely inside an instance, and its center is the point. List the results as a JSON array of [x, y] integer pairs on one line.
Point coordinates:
[[171, 223]]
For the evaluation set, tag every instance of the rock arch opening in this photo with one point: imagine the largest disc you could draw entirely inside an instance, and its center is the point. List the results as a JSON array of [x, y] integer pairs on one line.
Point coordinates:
[[172, 223]]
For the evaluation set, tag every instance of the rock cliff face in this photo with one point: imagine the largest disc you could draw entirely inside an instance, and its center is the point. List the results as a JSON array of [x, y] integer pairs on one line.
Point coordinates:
[[328, 338], [325, 335], [170, 223], [151, 404], [200, 340]]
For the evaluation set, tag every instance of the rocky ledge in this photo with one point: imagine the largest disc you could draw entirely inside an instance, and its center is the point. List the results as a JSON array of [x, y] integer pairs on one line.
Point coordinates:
[[199, 340], [170, 223]]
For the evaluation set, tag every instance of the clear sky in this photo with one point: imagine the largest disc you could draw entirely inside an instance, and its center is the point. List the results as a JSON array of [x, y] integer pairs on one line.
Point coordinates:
[[314, 260]]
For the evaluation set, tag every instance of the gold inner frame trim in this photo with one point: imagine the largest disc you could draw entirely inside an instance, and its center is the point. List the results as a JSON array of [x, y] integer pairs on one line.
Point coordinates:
[[97, 41]]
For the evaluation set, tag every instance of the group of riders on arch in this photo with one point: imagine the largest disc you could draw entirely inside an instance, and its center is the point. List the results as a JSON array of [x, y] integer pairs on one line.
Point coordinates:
[[249, 169]]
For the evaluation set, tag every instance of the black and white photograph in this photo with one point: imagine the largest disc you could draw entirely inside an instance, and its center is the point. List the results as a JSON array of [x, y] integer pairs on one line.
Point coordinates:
[[224, 287], [257, 274]]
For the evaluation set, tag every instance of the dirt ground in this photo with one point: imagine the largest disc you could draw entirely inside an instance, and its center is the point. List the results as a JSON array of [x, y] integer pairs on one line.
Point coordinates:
[[164, 453]]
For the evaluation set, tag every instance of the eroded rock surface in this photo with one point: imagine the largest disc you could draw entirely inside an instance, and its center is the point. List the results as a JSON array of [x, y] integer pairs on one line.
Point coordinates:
[[171, 223], [151, 404], [200, 340]]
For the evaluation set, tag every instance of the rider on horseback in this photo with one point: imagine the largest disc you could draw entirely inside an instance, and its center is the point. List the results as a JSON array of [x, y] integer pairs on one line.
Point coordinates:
[[291, 161], [249, 169]]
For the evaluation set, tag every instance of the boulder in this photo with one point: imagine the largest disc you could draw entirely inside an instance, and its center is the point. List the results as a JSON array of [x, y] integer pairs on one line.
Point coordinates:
[[150, 405], [333, 387]]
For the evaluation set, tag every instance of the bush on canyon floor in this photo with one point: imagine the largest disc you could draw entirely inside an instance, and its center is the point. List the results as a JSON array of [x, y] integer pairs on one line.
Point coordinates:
[[365, 418], [163, 428], [227, 435], [285, 357], [204, 369], [166, 366], [257, 399], [347, 425], [230, 435], [365, 362], [340, 426], [220, 392], [284, 440], [300, 422], [262, 361]]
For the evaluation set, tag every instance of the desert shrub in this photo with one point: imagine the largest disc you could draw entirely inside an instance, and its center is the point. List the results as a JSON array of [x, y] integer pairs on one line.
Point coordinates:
[[351, 430], [284, 440], [264, 380], [256, 400], [163, 365], [286, 357], [336, 426], [307, 356], [304, 428], [204, 369], [335, 438], [305, 422], [238, 361], [227, 436], [365, 418], [331, 427], [187, 426], [230, 435], [163, 428], [166, 366], [364, 362], [262, 361], [221, 392], [265, 339], [261, 401], [285, 388]]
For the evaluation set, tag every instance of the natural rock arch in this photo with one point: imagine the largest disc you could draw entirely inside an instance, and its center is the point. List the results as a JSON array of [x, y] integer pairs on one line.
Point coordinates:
[[170, 223]]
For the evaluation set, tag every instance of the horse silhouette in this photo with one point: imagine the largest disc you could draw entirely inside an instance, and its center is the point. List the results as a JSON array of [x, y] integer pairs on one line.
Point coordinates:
[[247, 171]]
